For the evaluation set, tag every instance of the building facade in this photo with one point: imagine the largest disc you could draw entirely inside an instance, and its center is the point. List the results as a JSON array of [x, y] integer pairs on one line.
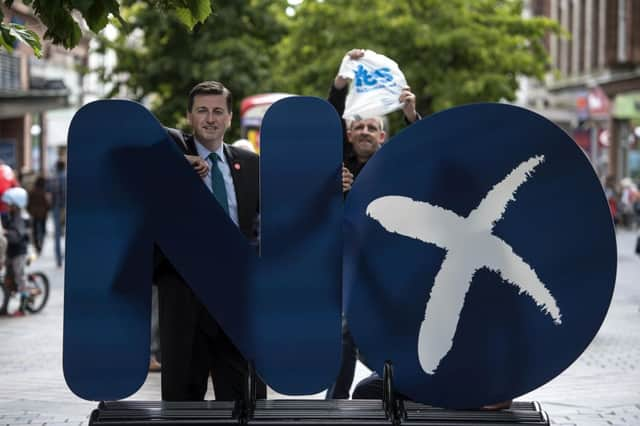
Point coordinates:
[[593, 88], [38, 97]]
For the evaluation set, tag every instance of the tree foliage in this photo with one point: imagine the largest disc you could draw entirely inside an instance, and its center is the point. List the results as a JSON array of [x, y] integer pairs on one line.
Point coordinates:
[[10, 33], [160, 61], [63, 28], [452, 52]]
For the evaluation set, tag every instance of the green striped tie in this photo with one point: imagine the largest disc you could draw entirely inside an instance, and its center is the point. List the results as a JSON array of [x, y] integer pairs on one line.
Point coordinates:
[[217, 183]]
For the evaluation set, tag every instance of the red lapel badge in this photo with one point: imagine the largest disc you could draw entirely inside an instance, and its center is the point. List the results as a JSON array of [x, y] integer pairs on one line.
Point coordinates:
[[236, 166]]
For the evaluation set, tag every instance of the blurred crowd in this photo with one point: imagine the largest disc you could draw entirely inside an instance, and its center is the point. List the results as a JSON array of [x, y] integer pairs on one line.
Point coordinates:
[[34, 198], [23, 213], [624, 201]]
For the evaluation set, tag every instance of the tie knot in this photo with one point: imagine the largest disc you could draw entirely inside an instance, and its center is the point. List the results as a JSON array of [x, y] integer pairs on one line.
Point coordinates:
[[214, 157]]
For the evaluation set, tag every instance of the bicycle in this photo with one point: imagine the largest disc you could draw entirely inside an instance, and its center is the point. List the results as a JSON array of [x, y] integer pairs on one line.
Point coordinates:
[[37, 293]]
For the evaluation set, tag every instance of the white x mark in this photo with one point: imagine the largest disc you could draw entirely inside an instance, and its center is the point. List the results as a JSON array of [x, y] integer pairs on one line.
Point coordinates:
[[470, 246]]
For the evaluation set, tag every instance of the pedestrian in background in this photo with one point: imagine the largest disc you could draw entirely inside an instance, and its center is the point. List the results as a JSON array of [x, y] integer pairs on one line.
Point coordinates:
[[38, 208], [611, 193], [57, 189], [16, 229], [628, 196]]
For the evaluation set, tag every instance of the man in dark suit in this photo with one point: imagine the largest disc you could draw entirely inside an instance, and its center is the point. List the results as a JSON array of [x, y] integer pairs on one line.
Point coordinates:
[[193, 344]]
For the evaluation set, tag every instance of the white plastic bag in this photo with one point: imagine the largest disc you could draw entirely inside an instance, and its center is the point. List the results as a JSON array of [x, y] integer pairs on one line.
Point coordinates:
[[376, 86]]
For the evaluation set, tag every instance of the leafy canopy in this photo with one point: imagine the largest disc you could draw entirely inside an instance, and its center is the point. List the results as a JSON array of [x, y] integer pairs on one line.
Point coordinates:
[[160, 61], [60, 18], [452, 52]]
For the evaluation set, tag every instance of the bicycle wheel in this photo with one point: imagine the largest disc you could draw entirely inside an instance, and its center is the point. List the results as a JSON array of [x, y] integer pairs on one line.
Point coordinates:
[[38, 287]]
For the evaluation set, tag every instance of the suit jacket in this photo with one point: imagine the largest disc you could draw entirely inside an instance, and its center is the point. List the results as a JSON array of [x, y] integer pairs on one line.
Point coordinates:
[[191, 338], [245, 172], [244, 166]]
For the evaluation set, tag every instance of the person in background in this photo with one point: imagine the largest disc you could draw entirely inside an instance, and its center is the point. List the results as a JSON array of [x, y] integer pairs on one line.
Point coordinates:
[[16, 229], [628, 197], [57, 189], [38, 208], [611, 192]]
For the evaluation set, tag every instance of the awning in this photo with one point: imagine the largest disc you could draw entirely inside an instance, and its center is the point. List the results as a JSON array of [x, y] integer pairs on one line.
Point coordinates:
[[627, 106], [17, 103]]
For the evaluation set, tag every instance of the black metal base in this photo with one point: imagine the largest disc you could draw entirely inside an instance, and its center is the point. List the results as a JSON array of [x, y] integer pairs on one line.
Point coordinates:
[[306, 412], [520, 413]]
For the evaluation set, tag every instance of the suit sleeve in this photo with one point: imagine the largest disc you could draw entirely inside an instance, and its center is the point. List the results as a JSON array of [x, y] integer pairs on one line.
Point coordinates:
[[338, 98], [179, 138]]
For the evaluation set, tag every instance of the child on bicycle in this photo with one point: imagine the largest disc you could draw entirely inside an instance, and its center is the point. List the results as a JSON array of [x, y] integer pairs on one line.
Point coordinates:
[[16, 229]]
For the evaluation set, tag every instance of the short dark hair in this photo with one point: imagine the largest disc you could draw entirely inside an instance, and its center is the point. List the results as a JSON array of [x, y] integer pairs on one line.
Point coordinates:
[[60, 165], [210, 88], [40, 182]]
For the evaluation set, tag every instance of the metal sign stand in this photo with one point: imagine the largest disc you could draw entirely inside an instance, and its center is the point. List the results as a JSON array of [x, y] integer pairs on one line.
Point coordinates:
[[389, 411]]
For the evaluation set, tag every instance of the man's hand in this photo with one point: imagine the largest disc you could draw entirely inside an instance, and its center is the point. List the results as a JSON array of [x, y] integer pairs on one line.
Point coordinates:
[[199, 165], [347, 179], [408, 100], [342, 82]]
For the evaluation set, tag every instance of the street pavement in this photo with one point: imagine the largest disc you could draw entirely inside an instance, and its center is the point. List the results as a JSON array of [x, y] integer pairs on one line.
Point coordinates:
[[601, 388]]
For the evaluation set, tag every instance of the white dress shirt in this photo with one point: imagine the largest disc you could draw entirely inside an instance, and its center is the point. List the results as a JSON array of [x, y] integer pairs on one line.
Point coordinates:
[[223, 165]]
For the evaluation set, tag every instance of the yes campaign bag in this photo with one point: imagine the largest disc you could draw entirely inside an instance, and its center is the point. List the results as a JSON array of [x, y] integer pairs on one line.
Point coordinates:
[[376, 86]]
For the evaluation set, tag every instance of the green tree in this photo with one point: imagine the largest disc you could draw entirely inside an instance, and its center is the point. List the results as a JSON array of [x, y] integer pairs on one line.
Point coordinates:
[[160, 61], [63, 29], [452, 52]]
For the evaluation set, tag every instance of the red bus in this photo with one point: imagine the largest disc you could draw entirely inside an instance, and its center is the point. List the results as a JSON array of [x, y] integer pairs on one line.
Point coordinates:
[[252, 109]]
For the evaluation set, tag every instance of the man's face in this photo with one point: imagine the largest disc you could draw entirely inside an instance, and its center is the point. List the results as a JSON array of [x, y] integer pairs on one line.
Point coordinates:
[[366, 136], [209, 119]]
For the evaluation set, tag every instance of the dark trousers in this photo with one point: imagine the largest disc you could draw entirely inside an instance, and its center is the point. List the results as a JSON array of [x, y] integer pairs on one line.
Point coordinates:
[[372, 387], [194, 347], [342, 385], [369, 388], [39, 226]]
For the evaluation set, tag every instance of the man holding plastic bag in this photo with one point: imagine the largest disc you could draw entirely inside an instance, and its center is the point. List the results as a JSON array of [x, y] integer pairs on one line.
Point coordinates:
[[375, 86], [368, 85], [379, 87]]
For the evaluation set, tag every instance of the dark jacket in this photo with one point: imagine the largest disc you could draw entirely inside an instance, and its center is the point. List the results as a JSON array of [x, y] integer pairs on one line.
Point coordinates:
[[244, 166], [39, 204], [245, 171], [17, 232], [338, 98]]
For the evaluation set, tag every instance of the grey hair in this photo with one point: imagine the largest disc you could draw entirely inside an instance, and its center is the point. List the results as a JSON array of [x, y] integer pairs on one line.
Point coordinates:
[[356, 118]]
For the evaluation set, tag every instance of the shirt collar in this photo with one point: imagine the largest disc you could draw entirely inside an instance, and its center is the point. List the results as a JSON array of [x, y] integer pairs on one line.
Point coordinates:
[[204, 152]]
